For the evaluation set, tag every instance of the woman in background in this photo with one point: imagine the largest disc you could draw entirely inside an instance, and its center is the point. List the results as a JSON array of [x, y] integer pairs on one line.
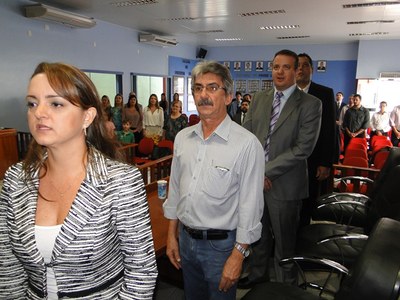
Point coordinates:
[[134, 115], [174, 123], [74, 222], [153, 119], [117, 111]]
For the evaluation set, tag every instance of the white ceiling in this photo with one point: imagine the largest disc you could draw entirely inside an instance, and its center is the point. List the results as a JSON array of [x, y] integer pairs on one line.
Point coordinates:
[[200, 22]]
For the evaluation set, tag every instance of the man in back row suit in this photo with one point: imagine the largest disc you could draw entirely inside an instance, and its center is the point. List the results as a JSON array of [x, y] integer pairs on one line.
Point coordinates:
[[326, 151], [286, 121]]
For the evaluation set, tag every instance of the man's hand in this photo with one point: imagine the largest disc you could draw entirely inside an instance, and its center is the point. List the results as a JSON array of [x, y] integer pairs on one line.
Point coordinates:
[[172, 244], [322, 173], [267, 184], [231, 271]]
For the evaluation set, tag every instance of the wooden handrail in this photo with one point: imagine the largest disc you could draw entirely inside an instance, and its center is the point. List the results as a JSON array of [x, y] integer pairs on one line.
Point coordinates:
[[156, 169], [339, 170]]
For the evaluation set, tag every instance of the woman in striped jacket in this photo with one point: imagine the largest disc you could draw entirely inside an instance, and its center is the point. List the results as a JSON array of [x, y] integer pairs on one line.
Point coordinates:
[[74, 222]]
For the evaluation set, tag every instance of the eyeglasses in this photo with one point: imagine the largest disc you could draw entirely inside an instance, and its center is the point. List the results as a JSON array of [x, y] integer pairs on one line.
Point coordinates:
[[210, 88]]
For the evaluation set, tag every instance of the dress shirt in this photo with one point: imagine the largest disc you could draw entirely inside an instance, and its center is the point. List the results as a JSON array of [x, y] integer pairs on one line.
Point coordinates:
[[286, 94], [395, 117], [356, 119], [380, 122], [217, 182], [305, 90]]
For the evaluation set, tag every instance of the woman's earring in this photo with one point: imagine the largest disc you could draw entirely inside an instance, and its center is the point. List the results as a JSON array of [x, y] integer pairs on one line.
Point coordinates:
[[84, 131]]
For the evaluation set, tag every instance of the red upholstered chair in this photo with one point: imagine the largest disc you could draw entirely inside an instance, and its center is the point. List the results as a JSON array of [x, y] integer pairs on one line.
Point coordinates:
[[356, 153], [166, 144], [348, 186], [193, 119], [380, 159], [145, 149]]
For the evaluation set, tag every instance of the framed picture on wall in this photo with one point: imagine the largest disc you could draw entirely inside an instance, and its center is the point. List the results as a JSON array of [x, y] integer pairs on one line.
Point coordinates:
[[321, 66], [227, 64], [270, 65], [236, 66], [259, 66], [247, 66]]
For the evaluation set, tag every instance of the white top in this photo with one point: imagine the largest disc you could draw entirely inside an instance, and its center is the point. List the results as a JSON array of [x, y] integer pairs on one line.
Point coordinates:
[[45, 238], [380, 121], [155, 118]]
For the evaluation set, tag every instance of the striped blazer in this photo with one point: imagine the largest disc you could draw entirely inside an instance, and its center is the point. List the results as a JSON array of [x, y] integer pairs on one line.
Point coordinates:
[[104, 249]]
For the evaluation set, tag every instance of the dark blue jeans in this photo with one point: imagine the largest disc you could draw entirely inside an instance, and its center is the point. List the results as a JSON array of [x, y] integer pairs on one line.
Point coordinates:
[[202, 264]]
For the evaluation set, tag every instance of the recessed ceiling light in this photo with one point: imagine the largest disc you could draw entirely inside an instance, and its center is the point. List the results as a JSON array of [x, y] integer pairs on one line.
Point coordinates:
[[368, 22], [293, 37], [368, 33], [210, 31], [228, 39], [279, 27], [261, 13], [381, 3], [133, 2]]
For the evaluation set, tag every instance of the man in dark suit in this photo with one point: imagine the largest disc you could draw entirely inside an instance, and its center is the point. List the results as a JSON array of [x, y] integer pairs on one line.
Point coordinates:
[[326, 150], [287, 144], [339, 104], [241, 114]]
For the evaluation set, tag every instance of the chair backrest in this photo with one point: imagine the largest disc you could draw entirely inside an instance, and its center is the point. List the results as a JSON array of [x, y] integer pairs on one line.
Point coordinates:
[[146, 146], [357, 146], [166, 144], [375, 274], [356, 153], [380, 159], [193, 119]]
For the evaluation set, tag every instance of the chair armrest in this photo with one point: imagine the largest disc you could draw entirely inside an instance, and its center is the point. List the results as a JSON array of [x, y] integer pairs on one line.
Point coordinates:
[[359, 178], [352, 236], [328, 265]]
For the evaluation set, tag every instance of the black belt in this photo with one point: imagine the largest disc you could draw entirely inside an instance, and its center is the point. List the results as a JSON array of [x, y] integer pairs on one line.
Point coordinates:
[[210, 234]]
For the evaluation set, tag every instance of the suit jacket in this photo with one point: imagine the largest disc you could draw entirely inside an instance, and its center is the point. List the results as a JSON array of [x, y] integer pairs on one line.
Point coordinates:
[[339, 109], [104, 249], [291, 142], [325, 149], [238, 117]]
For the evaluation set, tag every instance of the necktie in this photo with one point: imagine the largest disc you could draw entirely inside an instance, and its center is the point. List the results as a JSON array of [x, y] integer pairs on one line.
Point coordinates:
[[243, 116], [276, 104]]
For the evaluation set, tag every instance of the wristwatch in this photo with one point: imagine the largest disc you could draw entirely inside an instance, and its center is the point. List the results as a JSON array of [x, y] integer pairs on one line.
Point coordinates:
[[245, 252]]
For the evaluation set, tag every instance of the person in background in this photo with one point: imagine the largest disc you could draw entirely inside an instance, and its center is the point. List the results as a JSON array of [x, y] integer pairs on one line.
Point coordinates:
[[126, 136], [174, 123], [286, 121], [339, 104], [164, 104], [234, 106], [175, 98], [395, 124], [117, 111], [215, 192], [134, 115], [343, 111], [241, 114], [153, 119], [108, 124], [326, 151], [74, 221], [380, 121], [105, 104], [356, 121], [247, 97]]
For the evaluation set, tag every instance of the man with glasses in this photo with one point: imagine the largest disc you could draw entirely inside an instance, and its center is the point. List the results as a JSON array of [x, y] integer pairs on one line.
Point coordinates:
[[286, 121], [215, 199]]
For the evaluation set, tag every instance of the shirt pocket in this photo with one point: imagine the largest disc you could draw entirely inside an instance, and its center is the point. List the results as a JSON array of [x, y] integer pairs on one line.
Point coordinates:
[[217, 181]]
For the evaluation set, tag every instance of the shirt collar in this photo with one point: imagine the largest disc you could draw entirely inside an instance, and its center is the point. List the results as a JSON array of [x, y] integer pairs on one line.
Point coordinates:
[[286, 93], [307, 87], [222, 130]]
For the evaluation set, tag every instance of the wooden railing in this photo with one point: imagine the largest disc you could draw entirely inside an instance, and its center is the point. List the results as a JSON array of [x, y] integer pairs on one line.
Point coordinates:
[[156, 169], [339, 171], [128, 152]]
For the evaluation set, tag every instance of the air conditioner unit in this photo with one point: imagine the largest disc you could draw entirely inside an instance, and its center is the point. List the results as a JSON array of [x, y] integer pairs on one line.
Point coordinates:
[[390, 75], [44, 12], [156, 40]]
